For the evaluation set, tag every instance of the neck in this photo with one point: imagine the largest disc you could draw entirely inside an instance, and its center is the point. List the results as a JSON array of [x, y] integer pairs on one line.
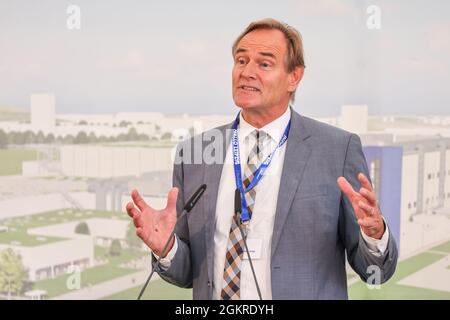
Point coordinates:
[[260, 118]]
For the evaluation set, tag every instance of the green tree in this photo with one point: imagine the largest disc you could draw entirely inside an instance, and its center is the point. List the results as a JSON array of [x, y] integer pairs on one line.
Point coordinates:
[[121, 137], [132, 134], [92, 138], [68, 139], [4, 139], [132, 239], [81, 138], [17, 137], [124, 123], [12, 272], [30, 137], [143, 137], [40, 138], [102, 139], [166, 136], [116, 248], [50, 138], [82, 228]]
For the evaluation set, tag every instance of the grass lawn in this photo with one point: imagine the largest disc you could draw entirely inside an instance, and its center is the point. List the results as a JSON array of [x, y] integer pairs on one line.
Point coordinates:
[[57, 286], [116, 261], [20, 237], [445, 247], [58, 216], [392, 290], [156, 290], [18, 227], [21, 224], [91, 276], [396, 292], [11, 160]]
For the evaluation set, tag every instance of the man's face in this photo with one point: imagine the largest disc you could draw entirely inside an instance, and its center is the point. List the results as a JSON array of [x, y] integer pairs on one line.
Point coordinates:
[[260, 78]]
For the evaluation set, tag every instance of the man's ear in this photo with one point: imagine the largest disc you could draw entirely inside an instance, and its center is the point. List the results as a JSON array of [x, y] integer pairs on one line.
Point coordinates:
[[295, 78]]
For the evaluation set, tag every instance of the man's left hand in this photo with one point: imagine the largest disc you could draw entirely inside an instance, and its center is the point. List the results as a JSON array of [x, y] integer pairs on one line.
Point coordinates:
[[365, 205]]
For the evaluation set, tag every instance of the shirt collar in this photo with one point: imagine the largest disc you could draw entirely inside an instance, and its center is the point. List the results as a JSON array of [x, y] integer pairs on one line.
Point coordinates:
[[274, 129]]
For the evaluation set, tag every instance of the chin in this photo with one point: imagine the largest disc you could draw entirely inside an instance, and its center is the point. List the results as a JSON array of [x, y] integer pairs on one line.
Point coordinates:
[[245, 103]]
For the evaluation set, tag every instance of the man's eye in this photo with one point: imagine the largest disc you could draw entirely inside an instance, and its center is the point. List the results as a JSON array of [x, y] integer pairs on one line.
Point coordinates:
[[265, 65], [241, 61]]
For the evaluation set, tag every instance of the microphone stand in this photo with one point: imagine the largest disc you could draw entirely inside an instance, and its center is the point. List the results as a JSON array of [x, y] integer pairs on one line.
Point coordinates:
[[238, 211], [187, 208]]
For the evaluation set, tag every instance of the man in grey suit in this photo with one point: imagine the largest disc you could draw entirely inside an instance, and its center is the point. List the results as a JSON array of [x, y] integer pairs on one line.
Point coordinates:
[[307, 203]]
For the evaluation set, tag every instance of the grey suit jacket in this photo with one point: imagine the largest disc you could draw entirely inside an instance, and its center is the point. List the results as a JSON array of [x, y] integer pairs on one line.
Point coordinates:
[[315, 226]]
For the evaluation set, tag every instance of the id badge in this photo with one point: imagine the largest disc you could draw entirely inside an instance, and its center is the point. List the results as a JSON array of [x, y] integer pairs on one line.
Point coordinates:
[[254, 247]]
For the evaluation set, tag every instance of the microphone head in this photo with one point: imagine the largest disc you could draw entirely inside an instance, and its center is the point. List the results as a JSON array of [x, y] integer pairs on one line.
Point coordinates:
[[194, 198], [237, 201]]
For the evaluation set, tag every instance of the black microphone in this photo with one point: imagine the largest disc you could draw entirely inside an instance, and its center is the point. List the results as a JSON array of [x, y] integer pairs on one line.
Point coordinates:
[[186, 209], [237, 217]]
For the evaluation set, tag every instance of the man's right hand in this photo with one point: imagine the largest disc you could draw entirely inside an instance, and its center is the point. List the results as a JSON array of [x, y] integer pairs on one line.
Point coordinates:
[[154, 226]]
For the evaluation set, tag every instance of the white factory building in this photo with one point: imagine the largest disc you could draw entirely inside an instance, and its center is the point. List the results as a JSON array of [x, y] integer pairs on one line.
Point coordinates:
[[54, 259], [412, 181], [111, 161], [426, 175]]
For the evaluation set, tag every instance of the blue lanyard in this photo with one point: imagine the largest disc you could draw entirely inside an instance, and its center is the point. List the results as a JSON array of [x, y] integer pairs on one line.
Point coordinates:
[[245, 217]]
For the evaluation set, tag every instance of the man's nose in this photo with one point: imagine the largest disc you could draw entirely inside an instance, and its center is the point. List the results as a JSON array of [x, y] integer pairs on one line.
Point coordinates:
[[249, 70]]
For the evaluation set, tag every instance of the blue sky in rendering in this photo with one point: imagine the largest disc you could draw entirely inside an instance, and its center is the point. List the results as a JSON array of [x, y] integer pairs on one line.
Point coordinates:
[[175, 56]]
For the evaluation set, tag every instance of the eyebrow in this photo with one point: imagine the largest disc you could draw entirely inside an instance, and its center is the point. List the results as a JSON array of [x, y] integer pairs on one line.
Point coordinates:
[[265, 54]]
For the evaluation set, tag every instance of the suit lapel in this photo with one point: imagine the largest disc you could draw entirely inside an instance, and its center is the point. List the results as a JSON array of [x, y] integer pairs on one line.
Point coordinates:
[[212, 174], [297, 154]]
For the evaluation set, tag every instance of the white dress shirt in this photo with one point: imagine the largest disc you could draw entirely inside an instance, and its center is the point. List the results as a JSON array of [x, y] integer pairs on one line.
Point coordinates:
[[263, 218]]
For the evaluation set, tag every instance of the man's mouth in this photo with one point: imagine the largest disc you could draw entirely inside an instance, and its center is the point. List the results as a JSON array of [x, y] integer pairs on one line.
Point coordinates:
[[248, 88]]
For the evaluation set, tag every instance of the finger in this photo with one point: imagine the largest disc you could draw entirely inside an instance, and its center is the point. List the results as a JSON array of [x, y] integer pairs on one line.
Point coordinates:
[[131, 210], [140, 232], [137, 220], [346, 188], [137, 199], [172, 199], [367, 223], [368, 195], [365, 182], [366, 208]]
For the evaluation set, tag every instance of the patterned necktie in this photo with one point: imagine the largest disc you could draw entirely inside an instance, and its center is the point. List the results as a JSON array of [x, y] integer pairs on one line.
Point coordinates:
[[235, 248]]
